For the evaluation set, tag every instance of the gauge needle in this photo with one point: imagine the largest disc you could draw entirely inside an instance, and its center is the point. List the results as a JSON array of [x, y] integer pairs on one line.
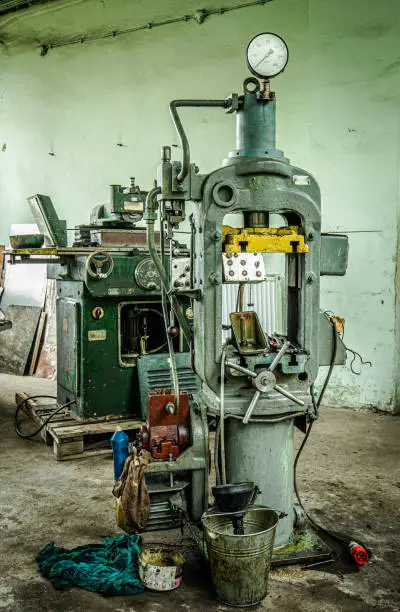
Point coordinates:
[[265, 57]]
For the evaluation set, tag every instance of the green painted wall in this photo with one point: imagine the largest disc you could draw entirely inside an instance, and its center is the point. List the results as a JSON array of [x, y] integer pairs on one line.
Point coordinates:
[[338, 116]]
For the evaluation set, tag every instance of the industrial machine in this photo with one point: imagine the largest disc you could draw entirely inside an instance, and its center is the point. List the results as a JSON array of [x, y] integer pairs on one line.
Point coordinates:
[[146, 325], [256, 385]]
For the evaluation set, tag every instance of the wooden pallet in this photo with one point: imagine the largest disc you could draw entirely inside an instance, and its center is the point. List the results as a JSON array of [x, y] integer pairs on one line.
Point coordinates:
[[72, 439]]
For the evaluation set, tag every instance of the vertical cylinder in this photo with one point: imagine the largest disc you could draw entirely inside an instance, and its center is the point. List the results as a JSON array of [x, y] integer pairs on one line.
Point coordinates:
[[255, 128], [263, 454], [256, 218]]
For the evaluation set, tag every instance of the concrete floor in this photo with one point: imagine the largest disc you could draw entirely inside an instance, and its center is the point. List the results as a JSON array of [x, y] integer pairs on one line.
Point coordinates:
[[349, 475]]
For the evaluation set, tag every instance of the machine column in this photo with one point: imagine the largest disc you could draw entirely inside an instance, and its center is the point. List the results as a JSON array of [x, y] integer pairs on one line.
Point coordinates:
[[263, 454]]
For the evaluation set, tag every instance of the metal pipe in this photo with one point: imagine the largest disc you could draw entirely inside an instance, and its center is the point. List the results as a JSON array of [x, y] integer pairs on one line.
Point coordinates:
[[174, 105], [151, 207], [169, 339], [222, 414], [292, 415], [239, 368]]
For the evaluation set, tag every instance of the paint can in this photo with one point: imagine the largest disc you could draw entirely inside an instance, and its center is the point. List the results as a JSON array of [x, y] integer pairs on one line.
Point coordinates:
[[160, 568]]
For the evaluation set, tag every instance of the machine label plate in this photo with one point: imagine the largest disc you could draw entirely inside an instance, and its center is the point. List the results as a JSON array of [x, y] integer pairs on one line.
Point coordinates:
[[97, 334]]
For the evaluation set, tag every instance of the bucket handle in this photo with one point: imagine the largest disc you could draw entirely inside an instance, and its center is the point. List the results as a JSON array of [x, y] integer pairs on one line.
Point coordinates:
[[280, 513]]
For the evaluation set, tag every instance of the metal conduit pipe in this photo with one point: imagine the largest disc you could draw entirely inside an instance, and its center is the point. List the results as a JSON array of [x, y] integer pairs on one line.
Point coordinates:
[[174, 105], [151, 208], [169, 339], [222, 414]]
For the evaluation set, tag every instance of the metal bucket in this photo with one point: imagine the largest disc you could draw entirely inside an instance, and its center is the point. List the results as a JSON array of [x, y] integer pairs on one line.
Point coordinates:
[[240, 563]]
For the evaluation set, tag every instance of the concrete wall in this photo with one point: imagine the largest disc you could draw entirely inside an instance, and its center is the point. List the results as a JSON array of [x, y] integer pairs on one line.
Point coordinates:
[[62, 117]]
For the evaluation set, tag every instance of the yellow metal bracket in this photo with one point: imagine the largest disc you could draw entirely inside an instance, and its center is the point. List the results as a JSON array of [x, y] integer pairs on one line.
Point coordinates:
[[263, 240]]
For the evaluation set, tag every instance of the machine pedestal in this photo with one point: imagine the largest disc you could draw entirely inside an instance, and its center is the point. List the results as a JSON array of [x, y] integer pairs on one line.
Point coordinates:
[[263, 454]]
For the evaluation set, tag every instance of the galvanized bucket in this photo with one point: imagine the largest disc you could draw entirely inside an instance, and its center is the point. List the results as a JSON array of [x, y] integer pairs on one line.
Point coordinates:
[[240, 563]]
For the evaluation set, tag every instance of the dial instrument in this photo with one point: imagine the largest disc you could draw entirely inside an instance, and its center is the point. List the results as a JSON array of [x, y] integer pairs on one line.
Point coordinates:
[[267, 55], [147, 276]]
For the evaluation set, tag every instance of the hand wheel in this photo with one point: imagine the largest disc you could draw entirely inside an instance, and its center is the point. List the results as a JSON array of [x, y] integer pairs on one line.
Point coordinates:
[[99, 265], [264, 381]]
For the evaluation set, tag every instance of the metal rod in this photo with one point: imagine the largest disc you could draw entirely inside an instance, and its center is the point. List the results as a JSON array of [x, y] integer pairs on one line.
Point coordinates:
[[268, 421], [288, 395], [169, 339], [241, 292], [222, 414], [251, 407], [174, 105], [279, 356], [150, 206], [239, 368]]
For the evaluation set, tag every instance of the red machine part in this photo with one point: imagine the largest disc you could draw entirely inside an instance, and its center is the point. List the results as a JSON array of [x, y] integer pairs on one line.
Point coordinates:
[[358, 553], [166, 433]]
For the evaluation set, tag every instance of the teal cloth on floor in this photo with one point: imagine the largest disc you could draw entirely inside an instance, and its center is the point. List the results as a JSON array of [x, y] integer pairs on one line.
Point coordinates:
[[110, 568]]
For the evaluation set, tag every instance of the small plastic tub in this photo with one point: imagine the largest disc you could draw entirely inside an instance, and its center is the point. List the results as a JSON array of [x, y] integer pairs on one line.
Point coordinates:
[[160, 568]]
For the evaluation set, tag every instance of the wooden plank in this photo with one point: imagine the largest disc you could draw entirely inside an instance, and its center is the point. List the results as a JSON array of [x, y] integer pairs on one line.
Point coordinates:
[[73, 446], [37, 342], [86, 453], [28, 408], [47, 362], [93, 428], [72, 439]]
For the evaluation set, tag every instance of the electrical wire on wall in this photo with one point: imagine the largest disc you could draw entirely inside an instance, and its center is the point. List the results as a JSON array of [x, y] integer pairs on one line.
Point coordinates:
[[199, 16]]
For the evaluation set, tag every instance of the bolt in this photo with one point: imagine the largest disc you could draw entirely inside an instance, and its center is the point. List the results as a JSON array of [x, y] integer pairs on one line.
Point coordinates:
[[230, 262], [231, 273], [170, 408], [310, 279], [243, 262], [244, 273], [258, 273], [235, 255]]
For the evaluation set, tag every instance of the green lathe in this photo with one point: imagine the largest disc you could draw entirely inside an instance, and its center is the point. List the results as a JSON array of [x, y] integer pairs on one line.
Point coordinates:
[[137, 314]]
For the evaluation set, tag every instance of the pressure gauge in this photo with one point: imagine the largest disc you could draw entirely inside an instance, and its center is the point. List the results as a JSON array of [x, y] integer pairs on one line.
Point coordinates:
[[267, 55], [147, 276]]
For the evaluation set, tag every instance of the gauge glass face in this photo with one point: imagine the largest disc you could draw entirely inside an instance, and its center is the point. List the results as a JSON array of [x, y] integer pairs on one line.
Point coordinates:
[[267, 55], [147, 276]]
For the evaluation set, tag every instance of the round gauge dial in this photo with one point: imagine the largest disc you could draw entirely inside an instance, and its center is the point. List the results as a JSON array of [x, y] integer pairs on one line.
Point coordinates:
[[147, 276], [267, 55]]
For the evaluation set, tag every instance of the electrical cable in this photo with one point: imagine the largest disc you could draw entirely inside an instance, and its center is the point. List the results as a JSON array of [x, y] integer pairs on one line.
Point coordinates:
[[33, 434], [343, 539], [355, 355]]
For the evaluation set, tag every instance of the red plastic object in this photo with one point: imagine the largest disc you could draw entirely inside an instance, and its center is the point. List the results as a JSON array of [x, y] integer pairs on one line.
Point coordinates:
[[358, 553]]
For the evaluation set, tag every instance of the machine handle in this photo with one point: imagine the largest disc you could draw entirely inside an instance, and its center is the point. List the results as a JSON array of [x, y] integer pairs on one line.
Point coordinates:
[[251, 407], [289, 395], [95, 266], [279, 356]]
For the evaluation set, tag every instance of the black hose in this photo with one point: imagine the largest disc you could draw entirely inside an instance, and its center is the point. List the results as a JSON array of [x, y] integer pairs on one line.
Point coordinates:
[[304, 442], [33, 434]]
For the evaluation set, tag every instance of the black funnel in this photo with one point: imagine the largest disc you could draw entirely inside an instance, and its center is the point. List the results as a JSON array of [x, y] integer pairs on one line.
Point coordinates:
[[234, 499]]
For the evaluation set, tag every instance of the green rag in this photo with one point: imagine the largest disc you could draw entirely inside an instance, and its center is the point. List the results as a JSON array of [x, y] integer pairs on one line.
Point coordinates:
[[110, 568]]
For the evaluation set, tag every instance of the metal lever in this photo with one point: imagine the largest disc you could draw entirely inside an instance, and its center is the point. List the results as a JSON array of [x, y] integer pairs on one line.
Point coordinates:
[[265, 381]]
